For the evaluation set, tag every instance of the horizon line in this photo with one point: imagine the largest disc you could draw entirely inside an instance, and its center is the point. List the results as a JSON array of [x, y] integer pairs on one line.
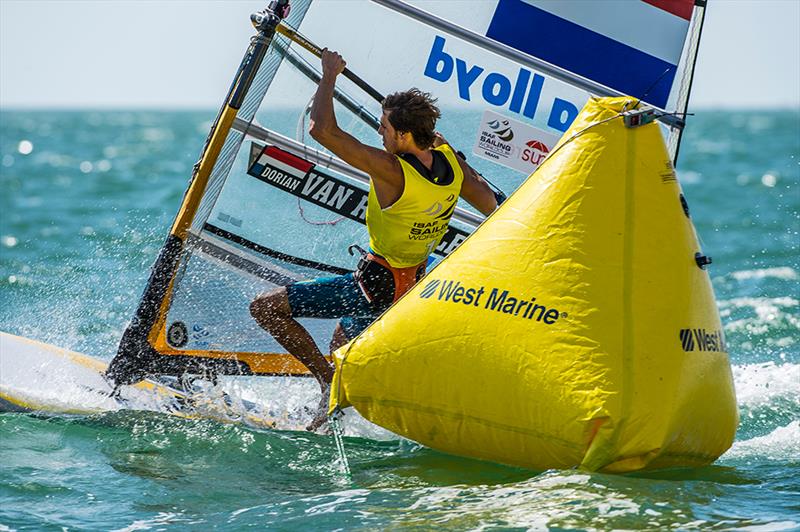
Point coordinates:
[[204, 108]]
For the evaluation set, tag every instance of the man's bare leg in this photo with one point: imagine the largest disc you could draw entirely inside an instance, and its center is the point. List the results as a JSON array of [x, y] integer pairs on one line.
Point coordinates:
[[339, 339], [273, 312]]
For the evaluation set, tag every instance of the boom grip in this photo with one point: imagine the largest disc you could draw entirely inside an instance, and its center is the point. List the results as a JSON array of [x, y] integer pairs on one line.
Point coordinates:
[[317, 51]]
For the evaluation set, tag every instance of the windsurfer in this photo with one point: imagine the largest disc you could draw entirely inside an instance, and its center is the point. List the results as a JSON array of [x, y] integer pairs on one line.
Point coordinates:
[[415, 183]]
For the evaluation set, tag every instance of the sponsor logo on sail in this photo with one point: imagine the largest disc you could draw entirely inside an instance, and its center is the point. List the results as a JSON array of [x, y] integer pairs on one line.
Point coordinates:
[[502, 129], [512, 143], [177, 334], [534, 152], [301, 179], [495, 88]]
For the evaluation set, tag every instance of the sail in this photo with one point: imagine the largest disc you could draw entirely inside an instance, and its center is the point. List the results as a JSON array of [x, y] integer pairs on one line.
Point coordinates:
[[635, 50], [268, 206]]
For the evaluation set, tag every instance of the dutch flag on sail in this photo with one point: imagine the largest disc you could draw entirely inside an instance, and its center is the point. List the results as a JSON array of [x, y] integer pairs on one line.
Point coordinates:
[[633, 46]]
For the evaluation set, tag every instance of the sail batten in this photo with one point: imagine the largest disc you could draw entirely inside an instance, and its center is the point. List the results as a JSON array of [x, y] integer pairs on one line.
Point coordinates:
[[218, 249]]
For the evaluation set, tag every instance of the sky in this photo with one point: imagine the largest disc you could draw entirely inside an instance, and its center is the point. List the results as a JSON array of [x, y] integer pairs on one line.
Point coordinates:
[[183, 54]]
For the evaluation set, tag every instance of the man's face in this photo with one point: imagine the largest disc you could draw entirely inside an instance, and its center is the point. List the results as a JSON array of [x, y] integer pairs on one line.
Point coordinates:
[[388, 134]]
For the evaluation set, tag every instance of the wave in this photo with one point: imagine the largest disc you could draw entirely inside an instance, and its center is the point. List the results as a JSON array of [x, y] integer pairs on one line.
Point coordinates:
[[782, 444], [761, 384], [761, 328], [768, 396], [784, 272], [766, 308]]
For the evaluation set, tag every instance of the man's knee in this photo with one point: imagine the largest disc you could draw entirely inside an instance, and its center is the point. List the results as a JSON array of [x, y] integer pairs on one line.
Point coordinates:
[[271, 305], [339, 338]]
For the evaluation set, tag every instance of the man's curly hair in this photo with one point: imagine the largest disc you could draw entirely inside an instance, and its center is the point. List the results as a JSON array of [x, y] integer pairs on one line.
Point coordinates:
[[415, 112]]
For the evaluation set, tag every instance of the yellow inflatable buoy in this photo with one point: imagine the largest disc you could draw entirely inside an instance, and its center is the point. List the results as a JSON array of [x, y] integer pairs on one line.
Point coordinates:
[[575, 327]]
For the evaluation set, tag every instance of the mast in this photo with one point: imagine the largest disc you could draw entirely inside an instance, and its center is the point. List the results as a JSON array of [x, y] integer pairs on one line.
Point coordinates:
[[136, 357], [674, 142]]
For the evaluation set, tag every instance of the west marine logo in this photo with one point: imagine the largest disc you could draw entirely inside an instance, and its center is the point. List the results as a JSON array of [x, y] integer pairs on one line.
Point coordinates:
[[502, 129], [429, 289], [494, 299], [703, 340], [520, 97]]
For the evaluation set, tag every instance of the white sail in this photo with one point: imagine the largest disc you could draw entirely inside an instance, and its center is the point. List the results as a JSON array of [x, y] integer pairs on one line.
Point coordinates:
[[268, 205]]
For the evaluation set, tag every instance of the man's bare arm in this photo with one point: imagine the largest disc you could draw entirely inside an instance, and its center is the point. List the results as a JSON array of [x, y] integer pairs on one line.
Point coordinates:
[[324, 129], [475, 188]]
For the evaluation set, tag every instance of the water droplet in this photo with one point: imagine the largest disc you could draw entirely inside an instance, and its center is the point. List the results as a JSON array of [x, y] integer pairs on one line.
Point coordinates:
[[9, 241], [86, 167], [25, 147], [769, 180]]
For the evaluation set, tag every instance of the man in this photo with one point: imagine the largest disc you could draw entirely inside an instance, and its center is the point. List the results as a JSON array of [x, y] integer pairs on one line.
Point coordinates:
[[415, 182]]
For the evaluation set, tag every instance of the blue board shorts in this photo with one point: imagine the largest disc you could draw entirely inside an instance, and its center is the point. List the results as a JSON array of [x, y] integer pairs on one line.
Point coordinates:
[[332, 298]]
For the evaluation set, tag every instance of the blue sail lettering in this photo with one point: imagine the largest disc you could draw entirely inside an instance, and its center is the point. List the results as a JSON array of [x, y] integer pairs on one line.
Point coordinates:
[[521, 96]]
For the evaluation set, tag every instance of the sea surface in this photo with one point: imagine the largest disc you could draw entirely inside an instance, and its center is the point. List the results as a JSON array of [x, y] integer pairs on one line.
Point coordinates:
[[86, 199]]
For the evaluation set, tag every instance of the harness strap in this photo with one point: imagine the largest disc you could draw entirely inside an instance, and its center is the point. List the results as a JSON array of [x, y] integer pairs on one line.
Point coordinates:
[[404, 278]]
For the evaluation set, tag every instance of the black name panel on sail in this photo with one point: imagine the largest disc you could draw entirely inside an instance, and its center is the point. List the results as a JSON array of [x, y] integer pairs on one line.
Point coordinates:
[[301, 178]]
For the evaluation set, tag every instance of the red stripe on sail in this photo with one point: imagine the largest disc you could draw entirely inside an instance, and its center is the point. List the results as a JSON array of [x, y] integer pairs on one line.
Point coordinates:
[[681, 8], [288, 158]]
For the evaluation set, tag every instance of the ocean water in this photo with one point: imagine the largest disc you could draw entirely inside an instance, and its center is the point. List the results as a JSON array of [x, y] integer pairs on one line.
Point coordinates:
[[86, 199]]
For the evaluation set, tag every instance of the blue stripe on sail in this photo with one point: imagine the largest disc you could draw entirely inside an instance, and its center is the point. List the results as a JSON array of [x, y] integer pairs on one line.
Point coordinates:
[[582, 51]]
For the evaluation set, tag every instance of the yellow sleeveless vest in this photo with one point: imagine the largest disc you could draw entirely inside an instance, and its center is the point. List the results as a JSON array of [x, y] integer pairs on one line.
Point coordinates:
[[406, 232]]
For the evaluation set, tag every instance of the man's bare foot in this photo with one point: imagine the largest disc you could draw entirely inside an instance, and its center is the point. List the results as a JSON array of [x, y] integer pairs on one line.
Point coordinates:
[[320, 420], [321, 417]]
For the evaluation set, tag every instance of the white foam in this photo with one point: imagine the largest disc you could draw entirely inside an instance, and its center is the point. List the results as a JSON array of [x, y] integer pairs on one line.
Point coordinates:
[[767, 310], [162, 519], [48, 378], [291, 404], [772, 527], [533, 504], [781, 444], [759, 304], [784, 272], [760, 384]]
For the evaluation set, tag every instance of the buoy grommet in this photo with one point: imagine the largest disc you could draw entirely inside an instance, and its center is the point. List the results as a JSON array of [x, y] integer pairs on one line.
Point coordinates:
[[702, 260]]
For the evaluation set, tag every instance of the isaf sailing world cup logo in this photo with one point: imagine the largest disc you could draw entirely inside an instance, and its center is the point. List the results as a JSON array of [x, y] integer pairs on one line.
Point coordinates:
[[434, 209], [513, 144], [502, 129]]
